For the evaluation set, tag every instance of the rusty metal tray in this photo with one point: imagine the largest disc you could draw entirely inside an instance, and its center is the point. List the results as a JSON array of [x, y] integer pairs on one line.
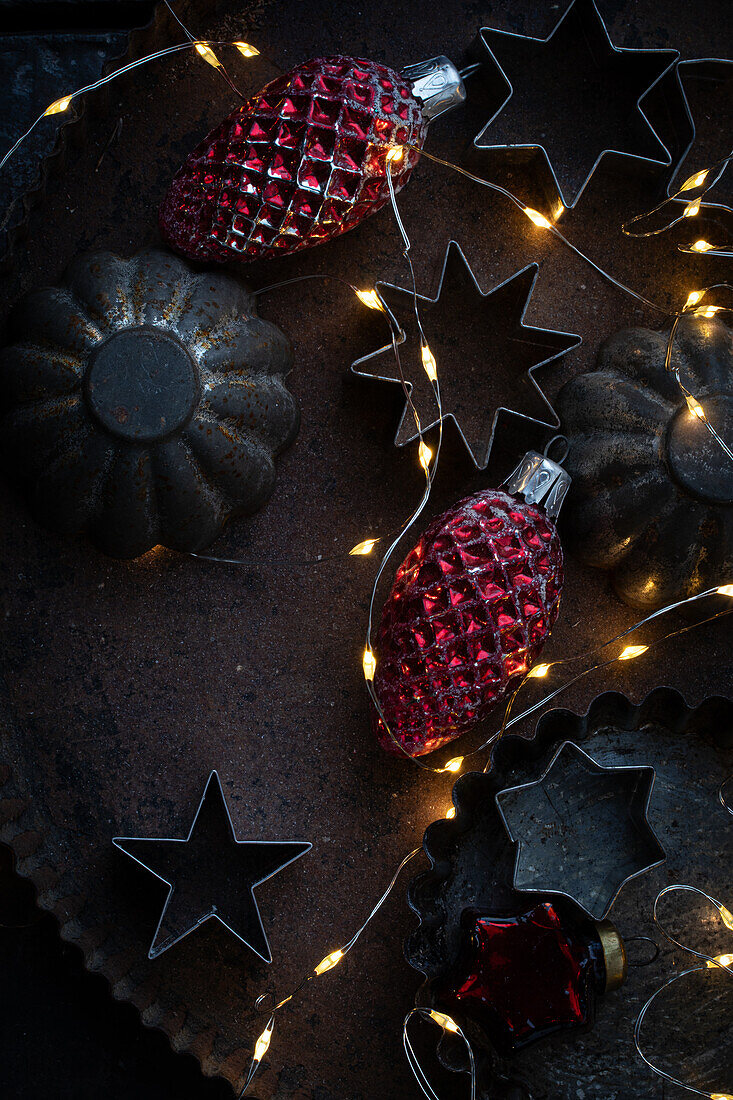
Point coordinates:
[[127, 683]]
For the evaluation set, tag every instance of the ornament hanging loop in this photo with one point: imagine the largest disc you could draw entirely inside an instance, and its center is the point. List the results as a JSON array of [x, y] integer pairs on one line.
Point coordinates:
[[653, 955], [539, 480], [563, 443]]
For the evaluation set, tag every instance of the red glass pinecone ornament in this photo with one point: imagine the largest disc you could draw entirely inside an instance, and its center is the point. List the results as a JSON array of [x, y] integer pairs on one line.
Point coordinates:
[[472, 605], [303, 160]]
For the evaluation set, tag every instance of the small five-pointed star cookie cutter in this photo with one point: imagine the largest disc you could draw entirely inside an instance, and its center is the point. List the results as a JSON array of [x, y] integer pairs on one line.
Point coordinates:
[[211, 874], [497, 322], [559, 77], [582, 830]]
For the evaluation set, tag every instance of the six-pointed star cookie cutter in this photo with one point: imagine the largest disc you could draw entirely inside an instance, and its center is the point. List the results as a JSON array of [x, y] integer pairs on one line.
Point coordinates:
[[656, 154], [541, 815], [530, 272]]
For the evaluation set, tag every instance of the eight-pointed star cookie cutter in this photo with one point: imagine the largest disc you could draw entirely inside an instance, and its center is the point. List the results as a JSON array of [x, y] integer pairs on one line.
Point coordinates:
[[585, 822], [528, 275]]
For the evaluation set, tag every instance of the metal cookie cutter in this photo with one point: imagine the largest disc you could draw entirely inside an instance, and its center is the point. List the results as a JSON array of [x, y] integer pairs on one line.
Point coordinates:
[[578, 44], [211, 874], [498, 316], [582, 830]]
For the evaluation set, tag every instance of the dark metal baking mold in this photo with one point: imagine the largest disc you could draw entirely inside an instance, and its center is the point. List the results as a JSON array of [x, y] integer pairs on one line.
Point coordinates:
[[652, 492], [144, 402]]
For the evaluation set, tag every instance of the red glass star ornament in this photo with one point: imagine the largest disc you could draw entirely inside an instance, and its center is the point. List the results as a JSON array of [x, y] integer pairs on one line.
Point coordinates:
[[524, 977]]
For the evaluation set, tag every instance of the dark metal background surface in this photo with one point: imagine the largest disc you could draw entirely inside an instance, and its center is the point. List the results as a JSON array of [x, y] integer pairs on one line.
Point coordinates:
[[128, 683]]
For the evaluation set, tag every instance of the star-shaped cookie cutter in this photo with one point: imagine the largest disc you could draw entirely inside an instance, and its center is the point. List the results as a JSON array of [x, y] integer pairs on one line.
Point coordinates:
[[583, 824], [213, 887], [517, 290], [645, 67]]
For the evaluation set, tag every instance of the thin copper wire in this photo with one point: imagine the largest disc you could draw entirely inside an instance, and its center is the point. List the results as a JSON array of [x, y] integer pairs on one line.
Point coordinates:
[[414, 1062], [709, 962], [713, 175], [277, 1005]]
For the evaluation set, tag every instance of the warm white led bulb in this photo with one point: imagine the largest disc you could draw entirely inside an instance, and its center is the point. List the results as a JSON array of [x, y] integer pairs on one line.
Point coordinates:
[[538, 219], [632, 651], [369, 664], [363, 548], [262, 1044], [695, 407], [329, 962], [246, 50], [695, 181], [428, 362], [370, 299], [444, 1021], [58, 106], [203, 49]]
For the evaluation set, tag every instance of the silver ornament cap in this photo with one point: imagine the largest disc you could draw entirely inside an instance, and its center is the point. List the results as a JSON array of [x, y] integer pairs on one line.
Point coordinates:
[[539, 480], [437, 84]]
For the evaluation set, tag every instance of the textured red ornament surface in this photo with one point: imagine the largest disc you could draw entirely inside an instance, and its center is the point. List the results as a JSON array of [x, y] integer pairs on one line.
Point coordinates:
[[302, 161], [523, 977], [470, 610]]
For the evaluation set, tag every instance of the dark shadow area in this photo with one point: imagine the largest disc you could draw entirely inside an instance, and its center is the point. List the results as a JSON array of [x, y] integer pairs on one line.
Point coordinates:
[[61, 1033]]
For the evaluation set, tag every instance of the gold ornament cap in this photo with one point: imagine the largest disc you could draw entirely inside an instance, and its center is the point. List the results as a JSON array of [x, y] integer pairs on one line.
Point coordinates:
[[614, 954]]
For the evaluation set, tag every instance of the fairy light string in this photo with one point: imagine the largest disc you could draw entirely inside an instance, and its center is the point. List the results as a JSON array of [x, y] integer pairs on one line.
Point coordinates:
[[722, 962], [702, 182], [327, 963]]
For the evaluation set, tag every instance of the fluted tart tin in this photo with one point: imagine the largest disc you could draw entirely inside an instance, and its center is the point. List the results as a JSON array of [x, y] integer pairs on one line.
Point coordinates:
[[473, 863]]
